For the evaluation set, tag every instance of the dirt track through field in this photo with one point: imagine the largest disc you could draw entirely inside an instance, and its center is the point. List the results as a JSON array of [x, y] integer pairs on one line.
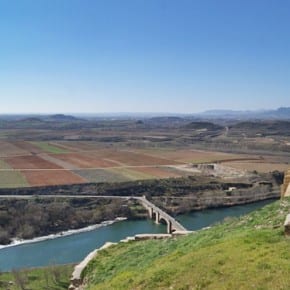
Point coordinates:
[[59, 162]]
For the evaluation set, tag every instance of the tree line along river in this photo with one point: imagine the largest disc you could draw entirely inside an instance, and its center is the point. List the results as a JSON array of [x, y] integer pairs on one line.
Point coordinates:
[[73, 248]]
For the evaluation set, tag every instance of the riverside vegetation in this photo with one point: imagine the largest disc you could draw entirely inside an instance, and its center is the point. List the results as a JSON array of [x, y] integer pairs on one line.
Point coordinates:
[[250, 252], [29, 218]]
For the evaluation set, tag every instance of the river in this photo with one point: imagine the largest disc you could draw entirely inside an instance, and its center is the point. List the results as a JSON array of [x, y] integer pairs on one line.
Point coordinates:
[[73, 248]]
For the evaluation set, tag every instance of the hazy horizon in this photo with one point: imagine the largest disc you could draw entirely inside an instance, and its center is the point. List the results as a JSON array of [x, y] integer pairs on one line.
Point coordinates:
[[137, 113], [143, 56]]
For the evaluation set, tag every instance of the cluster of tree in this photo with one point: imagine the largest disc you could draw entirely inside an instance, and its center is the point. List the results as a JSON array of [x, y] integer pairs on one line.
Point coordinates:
[[25, 219]]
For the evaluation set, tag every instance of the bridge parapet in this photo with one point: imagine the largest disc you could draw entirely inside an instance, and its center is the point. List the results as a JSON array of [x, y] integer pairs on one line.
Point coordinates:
[[159, 214]]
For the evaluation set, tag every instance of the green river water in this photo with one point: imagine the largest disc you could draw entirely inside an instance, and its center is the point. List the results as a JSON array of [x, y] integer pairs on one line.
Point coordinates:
[[73, 248]]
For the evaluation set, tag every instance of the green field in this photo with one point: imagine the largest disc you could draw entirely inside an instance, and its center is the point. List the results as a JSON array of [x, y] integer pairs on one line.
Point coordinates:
[[4, 165], [12, 179], [242, 253], [50, 278], [47, 147], [100, 175], [130, 174]]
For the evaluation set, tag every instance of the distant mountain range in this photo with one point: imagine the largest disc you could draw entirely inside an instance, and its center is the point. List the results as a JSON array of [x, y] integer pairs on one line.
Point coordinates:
[[280, 113], [40, 118]]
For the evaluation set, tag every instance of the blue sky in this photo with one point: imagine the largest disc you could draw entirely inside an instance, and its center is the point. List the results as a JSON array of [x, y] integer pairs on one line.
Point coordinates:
[[143, 55]]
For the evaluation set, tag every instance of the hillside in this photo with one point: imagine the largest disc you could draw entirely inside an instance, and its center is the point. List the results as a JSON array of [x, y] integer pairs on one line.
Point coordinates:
[[204, 126], [261, 128], [278, 114], [246, 253]]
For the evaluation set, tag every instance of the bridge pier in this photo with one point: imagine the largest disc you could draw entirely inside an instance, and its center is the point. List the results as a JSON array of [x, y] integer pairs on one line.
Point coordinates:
[[150, 210], [169, 227], [157, 217]]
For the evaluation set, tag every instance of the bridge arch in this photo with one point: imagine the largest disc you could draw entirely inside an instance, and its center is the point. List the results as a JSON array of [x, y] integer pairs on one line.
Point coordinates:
[[160, 216]]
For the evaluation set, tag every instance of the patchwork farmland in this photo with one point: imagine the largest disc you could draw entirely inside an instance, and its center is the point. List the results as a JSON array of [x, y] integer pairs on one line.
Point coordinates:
[[38, 163]]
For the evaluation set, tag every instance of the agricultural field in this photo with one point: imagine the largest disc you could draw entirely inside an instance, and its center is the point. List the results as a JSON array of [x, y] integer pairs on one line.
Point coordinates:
[[4, 165], [9, 149], [193, 156], [258, 166], [160, 172], [86, 160], [101, 175], [10, 179], [131, 173], [67, 152], [49, 148], [27, 146], [79, 145], [51, 177], [30, 162]]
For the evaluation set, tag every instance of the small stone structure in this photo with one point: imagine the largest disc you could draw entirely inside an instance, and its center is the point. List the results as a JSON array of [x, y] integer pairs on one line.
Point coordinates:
[[287, 225], [285, 187]]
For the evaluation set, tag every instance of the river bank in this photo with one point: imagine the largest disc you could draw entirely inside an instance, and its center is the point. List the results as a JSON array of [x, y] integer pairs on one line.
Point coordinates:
[[27, 219], [17, 242], [73, 248]]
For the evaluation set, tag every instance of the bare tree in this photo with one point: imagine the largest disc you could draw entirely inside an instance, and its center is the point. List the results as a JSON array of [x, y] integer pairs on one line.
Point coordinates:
[[20, 279]]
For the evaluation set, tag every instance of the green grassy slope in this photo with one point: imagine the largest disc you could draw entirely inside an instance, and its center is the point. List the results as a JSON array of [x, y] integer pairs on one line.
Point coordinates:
[[246, 253], [48, 278]]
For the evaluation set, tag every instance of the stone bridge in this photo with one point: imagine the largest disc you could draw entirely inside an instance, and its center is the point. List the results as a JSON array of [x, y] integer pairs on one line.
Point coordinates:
[[285, 187], [158, 214]]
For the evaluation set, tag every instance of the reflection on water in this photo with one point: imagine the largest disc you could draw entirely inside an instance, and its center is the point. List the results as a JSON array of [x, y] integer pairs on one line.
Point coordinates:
[[200, 219]]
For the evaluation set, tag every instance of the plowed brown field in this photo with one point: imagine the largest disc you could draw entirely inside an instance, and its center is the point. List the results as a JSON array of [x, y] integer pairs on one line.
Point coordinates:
[[27, 147], [8, 149], [51, 177], [30, 162]]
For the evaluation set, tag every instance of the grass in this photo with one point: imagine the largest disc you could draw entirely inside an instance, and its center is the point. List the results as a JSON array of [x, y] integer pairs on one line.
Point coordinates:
[[130, 174], [47, 147], [4, 165], [250, 252], [12, 179], [50, 278], [100, 175]]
